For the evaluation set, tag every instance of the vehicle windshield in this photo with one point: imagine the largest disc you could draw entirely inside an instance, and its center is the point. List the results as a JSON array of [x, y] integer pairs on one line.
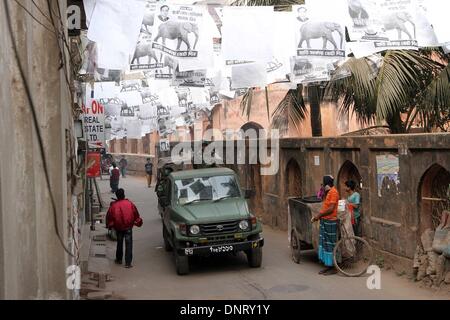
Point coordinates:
[[206, 189]]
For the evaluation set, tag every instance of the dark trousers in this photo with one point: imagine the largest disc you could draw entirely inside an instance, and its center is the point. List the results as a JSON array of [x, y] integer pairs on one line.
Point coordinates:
[[149, 179], [114, 185], [357, 227], [128, 237]]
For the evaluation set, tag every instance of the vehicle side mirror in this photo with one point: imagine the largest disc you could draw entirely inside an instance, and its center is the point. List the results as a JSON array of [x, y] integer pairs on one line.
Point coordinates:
[[249, 193]]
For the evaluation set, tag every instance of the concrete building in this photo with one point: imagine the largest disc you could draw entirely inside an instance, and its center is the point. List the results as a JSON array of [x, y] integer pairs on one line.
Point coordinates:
[[33, 261]]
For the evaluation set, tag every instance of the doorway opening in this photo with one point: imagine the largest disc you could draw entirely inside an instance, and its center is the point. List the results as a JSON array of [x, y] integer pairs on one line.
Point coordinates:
[[434, 196]]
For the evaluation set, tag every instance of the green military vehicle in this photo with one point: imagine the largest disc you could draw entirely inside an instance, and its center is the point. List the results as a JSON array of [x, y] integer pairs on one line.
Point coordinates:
[[205, 213]]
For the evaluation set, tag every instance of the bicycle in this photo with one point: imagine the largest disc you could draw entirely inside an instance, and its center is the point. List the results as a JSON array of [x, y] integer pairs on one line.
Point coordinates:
[[352, 255]]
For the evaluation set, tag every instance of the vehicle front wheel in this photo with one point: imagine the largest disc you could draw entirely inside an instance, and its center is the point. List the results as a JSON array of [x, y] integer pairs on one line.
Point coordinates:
[[295, 247], [254, 257], [182, 264]]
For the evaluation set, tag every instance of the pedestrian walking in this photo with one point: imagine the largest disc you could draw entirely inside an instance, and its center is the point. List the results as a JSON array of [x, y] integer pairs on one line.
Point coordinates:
[[122, 216], [114, 178], [354, 201], [123, 164], [328, 225], [149, 171]]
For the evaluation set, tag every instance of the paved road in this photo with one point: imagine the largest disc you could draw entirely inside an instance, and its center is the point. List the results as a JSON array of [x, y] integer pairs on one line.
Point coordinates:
[[154, 276]]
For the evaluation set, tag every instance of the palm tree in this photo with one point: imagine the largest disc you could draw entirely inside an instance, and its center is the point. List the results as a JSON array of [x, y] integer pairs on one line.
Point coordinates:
[[410, 87]]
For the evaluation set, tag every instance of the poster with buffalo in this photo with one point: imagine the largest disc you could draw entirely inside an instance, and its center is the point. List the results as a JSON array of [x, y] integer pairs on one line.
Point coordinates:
[[320, 40], [388, 24]]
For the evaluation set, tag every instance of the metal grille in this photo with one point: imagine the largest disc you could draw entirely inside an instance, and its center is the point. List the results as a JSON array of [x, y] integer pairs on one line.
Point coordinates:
[[219, 228]]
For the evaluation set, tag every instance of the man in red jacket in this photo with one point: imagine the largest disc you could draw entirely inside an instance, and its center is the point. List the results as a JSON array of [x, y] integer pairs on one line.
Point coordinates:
[[122, 216]]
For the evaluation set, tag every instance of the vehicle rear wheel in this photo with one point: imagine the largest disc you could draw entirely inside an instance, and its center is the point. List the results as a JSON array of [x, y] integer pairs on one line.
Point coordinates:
[[254, 257], [167, 245], [295, 247], [182, 264]]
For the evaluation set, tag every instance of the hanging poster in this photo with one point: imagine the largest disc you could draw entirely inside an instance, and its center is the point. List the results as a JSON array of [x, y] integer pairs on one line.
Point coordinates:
[[249, 75], [279, 67], [437, 14], [320, 39], [164, 145], [176, 30], [390, 24], [196, 78], [426, 37], [117, 127], [388, 168], [144, 56], [133, 128], [247, 33], [115, 26]]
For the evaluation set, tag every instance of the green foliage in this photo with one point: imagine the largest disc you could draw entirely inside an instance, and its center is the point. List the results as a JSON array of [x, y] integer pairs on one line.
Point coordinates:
[[411, 83]]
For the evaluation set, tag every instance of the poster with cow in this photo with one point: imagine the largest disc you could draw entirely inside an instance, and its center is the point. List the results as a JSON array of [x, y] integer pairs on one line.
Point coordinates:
[[319, 39], [388, 24]]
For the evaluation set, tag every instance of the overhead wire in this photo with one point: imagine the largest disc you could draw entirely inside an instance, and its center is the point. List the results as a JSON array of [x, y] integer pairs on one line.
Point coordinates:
[[41, 11], [34, 18], [36, 126]]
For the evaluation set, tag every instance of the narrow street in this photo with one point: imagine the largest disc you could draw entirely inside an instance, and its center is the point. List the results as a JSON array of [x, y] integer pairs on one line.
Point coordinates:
[[154, 276]]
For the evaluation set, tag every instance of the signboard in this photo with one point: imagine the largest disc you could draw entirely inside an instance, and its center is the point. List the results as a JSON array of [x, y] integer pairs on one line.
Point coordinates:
[[94, 122], [388, 168], [93, 165]]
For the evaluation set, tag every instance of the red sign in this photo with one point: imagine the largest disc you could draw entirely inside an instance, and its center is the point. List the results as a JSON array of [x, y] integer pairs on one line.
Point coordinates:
[[93, 165]]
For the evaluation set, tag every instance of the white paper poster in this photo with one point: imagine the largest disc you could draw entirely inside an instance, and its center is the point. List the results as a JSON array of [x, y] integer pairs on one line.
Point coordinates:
[[320, 38], [390, 24], [176, 30], [89, 6], [144, 56], [426, 37], [249, 75], [438, 16], [115, 24], [284, 31], [133, 128], [117, 127], [247, 33]]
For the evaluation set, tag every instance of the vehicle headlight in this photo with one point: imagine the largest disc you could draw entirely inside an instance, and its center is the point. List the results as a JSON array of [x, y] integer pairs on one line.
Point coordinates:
[[243, 225], [195, 229]]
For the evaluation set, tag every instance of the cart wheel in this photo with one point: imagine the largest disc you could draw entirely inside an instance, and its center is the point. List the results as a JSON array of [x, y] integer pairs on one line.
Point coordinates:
[[352, 256], [295, 247]]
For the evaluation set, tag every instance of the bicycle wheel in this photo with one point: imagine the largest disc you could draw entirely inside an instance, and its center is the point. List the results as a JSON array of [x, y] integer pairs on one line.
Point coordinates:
[[352, 256]]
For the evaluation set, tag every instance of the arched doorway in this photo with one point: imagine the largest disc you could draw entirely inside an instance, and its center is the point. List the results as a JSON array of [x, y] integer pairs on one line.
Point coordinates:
[[252, 171], [348, 171], [433, 197], [252, 125], [293, 187]]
